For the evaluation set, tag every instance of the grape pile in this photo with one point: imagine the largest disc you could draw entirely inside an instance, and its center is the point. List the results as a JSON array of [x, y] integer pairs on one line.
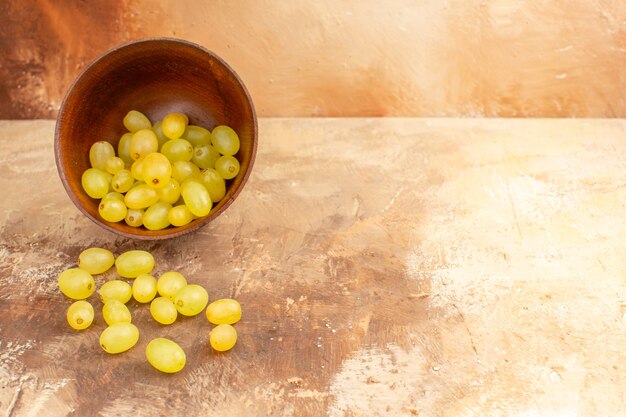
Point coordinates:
[[169, 296], [166, 174]]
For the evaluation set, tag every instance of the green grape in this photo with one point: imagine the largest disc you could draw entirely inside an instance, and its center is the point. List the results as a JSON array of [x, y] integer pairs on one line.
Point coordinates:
[[114, 165], [115, 311], [144, 288], [122, 181], [96, 260], [224, 311], [96, 182], [179, 215], [134, 217], [196, 197], [123, 148], [165, 355], [133, 263], [158, 131], [141, 196], [142, 143], [80, 315], [181, 170], [170, 193], [156, 170], [163, 310], [155, 216], [119, 337], [99, 154], [114, 194], [227, 167], [174, 125], [112, 209], [204, 156], [225, 140], [134, 121], [197, 135], [191, 300], [170, 283], [223, 337], [177, 150], [76, 283], [115, 290], [214, 184], [136, 170]]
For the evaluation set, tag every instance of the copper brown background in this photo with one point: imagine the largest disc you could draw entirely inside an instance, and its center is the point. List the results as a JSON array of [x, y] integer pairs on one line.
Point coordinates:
[[349, 58]]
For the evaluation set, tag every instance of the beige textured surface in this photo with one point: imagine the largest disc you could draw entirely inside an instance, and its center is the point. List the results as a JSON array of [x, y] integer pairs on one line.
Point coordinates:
[[385, 267], [555, 58]]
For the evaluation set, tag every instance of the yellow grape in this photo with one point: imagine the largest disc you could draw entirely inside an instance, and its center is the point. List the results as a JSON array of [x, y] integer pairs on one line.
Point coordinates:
[[133, 263], [225, 140], [214, 184], [196, 197], [80, 315], [135, 120], [171, 192], [155, 216], [197, 135], [134, 217], [181, 170], [179, 215], [112, 209], [165, 355], [163, 310], [114, 194], [96, 182], [123, 148], [142, 143], [158, 131], [223, 337], [115, 311], [76, 283], [119, 337], [156, 170], [136, 170], [227, 166], [174, 125], [96, 260], [204, 156], [144, 288], [224, 311], [177, 150], [114, 165], [122, 181], [169, 283], [115, 290], [191, 300], [99, 154], [141, 196]]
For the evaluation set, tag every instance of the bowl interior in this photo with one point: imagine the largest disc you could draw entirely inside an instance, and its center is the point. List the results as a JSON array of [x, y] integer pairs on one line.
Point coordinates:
[[156, 77]]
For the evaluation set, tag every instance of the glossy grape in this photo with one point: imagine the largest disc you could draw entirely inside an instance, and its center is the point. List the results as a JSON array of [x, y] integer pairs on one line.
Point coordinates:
[[223, 337], [204, 156], [165, 355], [123, 148], [134, 217], [174, 125], [136, 170], [119, 337], [170, 193], [114, 165], [156, 170], [134, 263], [158, 131], [227, 167], [191, 300], [225, 140], [135, 120], [142, 143], [96, 182], [144, 288], [197, 135], [96, 260], [80, 315], [155, 216], [76, 283], [163, 310], [99, 153], [141, 196], [169, 283], [115, 290], [181, 170], [214, 184], [122, 181], [114, 194], [179, 215], [112, 210], [196, 197], [177, 150], [114, 311], [224, 311]]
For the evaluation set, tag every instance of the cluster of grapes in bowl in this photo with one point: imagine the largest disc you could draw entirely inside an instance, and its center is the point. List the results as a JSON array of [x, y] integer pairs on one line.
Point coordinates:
[[166, 174]]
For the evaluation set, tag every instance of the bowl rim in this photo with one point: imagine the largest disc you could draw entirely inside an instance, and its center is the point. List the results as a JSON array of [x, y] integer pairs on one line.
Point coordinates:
[[174, 233]]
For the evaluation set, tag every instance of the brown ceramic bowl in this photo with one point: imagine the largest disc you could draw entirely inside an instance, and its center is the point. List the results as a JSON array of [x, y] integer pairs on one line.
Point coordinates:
[[156, 77]]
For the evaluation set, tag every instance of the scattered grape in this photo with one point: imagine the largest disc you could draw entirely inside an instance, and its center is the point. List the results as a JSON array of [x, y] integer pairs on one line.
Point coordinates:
[[119, 337], [223, 337], [115, 290], [115, 311], [76, 283], [169, 283], [224, 311], [96, 260], [165, 355], [163, 310], [144, 288], [80, 315], [191, 300], [134, 263]]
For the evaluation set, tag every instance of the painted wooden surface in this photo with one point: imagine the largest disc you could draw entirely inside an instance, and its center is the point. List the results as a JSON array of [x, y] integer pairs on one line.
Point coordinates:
[[425, 267], [343, 58]]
